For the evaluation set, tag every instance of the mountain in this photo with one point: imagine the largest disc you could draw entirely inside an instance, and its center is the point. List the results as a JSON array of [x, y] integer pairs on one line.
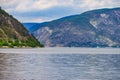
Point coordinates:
[[95, 28], [31, 27], [13, 33]]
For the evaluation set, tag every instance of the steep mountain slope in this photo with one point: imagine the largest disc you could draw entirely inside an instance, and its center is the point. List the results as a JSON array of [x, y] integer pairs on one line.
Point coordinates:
[[31, 27], [96, 28], [13, 34]]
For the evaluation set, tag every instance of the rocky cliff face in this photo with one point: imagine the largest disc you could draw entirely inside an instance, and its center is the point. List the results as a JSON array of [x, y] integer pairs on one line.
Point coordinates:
[[96, 28], [12, 33]]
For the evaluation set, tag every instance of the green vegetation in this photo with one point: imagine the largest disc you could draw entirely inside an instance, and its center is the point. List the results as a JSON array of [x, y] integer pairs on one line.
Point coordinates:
[[11, 43], [13, 34]]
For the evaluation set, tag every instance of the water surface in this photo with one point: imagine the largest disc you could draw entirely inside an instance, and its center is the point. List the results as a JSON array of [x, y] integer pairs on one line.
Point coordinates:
[[59, 66]]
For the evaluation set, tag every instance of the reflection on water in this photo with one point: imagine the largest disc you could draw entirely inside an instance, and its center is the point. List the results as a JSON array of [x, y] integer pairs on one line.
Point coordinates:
[[59, 66]]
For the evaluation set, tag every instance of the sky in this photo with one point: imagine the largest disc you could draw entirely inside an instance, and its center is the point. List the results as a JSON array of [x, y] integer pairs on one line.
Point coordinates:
[[47, 10]]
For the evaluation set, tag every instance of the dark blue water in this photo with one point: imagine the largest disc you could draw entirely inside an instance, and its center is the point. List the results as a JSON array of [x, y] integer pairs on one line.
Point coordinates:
[[59, 66]]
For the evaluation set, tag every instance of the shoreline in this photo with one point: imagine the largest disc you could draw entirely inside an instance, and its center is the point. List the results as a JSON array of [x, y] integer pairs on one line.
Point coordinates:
[[61, 50]]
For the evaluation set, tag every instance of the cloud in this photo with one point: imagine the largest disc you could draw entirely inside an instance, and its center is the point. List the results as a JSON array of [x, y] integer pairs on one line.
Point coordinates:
[[33, 19], [93, 4], [29, 5], [43, 15], [34, 5], [42, 10]]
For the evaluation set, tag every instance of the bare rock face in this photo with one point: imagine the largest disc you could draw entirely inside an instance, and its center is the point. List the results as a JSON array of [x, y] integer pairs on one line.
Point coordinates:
[[96, 28]]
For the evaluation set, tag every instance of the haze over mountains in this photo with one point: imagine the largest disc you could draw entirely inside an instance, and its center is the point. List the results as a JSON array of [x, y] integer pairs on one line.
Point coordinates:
[[31, 27], [96, 28], [13, 33]]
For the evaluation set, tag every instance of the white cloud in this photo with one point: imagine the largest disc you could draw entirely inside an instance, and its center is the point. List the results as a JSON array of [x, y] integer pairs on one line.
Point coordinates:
[[95, 4], [32, 5], [34, 19], [76, 6], [29, 5]]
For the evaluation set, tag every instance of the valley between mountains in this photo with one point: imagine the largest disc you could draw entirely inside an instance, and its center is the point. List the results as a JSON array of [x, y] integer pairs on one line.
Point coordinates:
[[96, 28]]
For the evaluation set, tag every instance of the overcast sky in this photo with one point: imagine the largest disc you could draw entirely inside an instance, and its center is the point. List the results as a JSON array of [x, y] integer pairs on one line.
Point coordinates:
[[46, 10]]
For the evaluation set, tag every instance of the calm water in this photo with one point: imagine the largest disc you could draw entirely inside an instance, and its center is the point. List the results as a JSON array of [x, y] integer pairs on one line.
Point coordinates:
[[59, 66]]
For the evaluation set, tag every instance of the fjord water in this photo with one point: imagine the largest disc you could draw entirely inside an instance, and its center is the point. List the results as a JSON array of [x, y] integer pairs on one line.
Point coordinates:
[[16, 66]]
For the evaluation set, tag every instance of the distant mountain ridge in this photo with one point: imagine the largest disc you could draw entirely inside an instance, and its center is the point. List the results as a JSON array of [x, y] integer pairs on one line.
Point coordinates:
[[31, 27], [96, 28], [13, 33]]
